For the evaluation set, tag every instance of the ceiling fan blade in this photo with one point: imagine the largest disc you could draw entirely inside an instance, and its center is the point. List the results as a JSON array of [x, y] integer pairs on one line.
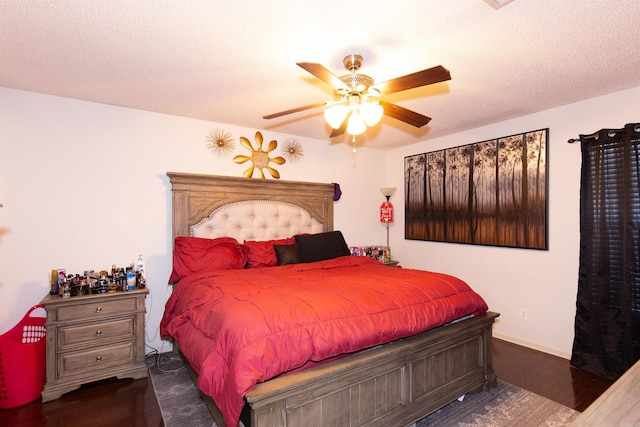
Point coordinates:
[[295, 110], [420, 78], [404, 115], [340, 130], [323, 74]]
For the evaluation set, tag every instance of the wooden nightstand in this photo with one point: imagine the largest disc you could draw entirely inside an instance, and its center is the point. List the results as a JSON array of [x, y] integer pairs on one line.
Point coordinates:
[[93, 337], [391, 263]]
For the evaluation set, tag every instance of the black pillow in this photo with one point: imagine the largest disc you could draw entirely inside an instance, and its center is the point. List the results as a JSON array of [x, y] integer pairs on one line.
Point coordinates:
[[287, 254], [321, 246]]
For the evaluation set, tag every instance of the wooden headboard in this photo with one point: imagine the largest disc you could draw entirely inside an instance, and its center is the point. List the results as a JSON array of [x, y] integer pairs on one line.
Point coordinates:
[[196, 197]]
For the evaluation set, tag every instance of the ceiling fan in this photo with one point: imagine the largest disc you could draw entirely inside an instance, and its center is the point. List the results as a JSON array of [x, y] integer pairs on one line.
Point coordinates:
[[357, 102]]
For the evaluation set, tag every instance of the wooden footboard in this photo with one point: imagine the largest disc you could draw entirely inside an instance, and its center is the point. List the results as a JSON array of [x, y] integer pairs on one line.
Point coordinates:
[[391, 385]]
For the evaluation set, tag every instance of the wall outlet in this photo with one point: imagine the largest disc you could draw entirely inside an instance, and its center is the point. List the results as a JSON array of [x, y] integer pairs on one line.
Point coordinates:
[[524, 314]]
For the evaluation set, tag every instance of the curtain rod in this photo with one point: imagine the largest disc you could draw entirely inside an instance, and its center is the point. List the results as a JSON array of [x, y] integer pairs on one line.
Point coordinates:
[[572, 140], [636, 128], [593, 135]]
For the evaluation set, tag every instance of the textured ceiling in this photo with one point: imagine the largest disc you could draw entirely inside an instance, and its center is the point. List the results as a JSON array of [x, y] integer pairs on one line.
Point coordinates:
[[235, 61]]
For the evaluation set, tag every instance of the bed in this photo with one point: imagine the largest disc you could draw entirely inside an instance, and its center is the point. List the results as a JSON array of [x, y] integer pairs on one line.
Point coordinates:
[[393, 365]]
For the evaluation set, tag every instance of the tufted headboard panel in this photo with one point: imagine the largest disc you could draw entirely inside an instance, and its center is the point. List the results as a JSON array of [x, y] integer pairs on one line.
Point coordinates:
[[248, 209], [256, 220]]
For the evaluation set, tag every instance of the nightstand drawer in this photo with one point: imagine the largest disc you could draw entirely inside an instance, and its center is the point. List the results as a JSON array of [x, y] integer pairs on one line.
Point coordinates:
[[95, 309], [92, 360], [94, 334]]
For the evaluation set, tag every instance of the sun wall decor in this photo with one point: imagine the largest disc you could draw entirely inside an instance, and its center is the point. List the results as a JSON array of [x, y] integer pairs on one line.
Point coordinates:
[[220, 142], [292, 150], [259, 158]]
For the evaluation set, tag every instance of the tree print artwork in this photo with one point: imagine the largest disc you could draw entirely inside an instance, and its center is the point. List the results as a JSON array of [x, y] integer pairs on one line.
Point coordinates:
[[488, 193]]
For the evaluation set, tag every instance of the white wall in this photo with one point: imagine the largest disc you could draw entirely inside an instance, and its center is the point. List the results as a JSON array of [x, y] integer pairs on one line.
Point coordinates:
[[84, 186], [542, 282]]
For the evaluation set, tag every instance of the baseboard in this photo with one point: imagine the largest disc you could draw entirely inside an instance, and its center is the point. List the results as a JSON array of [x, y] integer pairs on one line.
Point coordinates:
[[533, 345]]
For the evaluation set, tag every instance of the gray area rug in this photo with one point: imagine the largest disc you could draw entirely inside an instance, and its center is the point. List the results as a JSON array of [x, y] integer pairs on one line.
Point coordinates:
[[177, 395], [504, 406]]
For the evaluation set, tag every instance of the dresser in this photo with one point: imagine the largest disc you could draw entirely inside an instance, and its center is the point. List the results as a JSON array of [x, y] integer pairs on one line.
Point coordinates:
[[93, 337]]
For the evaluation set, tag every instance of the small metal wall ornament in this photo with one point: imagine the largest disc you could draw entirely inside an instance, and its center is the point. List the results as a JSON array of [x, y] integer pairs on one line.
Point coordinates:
[[292, 150], [220, 142], [259, 158]]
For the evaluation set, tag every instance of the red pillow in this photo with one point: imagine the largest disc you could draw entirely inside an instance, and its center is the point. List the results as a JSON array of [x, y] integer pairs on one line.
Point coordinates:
[[262, 254], [193, 254]]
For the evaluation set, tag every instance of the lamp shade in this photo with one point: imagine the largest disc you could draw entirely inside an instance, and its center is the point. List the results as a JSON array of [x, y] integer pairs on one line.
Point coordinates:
[[387, 191], [372, 113], [356, 124], [335, 115]]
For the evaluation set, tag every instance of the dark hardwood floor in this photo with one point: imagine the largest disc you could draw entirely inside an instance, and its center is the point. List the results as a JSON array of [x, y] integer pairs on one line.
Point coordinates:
[[547, 375], [133, 403]]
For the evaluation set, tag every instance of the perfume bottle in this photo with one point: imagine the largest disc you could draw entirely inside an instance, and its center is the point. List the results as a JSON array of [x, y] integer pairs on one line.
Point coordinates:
[[140, 267]]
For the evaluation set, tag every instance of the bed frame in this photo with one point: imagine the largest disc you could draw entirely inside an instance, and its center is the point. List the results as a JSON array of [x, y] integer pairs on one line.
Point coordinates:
[[395, 384]]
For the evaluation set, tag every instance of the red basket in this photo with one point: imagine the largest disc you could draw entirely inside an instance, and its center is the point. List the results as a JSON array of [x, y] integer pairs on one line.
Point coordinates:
[[22, 361]]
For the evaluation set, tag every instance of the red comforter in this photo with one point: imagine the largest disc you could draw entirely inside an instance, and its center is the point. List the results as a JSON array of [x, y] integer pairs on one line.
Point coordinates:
[[241, 327]]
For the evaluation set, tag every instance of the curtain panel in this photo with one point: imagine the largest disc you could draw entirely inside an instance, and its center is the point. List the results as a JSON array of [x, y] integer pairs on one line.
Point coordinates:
[[607, 324]]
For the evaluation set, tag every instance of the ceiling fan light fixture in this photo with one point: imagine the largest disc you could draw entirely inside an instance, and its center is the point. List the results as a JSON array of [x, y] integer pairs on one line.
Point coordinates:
[[335, 115], [356, 125], [372, 113], [357, 104]]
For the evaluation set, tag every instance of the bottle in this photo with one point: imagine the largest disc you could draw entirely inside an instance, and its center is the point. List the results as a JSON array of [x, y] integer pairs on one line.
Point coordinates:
[[140, 267], [131, 280], [53, 281]]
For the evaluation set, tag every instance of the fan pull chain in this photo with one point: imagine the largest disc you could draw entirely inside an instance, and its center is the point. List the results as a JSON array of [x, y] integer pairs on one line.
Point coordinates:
[[354, 144]]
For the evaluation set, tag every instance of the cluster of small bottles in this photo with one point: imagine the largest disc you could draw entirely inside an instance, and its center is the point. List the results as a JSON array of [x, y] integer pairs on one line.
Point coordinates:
[[119, 279]]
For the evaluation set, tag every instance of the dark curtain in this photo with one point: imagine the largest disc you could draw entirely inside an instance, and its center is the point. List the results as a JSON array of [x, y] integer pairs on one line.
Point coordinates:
[[607, 324]]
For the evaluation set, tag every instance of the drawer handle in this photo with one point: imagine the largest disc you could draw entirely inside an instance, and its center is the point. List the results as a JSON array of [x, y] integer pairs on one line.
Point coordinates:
[[99, 359], [99, 310], [98, 332]]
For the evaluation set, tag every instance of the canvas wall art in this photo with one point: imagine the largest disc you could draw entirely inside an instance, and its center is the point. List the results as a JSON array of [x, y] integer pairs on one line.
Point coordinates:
[[487, 193]]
